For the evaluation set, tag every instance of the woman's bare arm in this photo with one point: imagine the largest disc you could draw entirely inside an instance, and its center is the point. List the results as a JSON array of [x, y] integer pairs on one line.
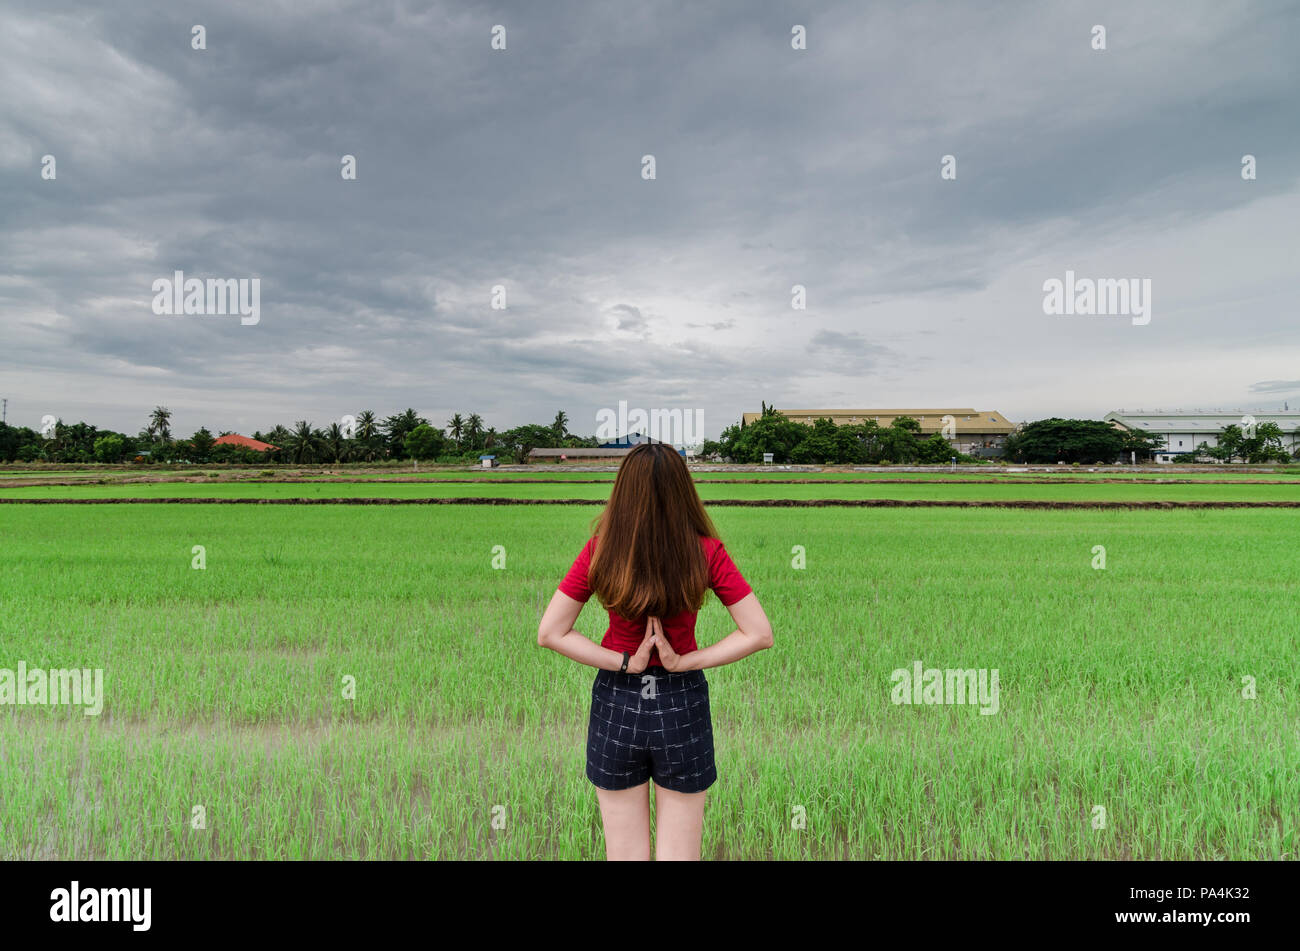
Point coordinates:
[[556, 632], [753, 633]]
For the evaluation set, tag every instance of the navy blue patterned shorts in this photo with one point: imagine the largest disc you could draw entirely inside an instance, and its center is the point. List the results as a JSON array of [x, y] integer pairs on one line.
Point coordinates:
[[653, 725]]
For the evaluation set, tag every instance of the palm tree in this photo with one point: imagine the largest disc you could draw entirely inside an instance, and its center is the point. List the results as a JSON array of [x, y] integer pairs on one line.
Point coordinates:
[[56, 442], [366, 432], [396, 428], [490, 438], [304, 443], [561, 426], [160, 425], [457, 427], [366, 425], [336, 443], [474, 430]]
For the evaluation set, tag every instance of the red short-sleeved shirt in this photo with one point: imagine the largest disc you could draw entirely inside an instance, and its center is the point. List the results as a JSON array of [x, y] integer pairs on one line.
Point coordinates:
[[624, 635]]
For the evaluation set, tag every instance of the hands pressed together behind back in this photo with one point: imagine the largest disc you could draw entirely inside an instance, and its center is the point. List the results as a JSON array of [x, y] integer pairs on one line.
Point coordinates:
[[656, 639]]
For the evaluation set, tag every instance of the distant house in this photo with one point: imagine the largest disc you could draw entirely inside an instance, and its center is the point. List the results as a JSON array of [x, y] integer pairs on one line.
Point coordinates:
[[487, 462], [234, 439], [601, 456], [598, 456]]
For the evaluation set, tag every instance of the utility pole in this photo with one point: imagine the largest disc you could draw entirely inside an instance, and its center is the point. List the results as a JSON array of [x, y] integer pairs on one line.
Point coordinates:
[[4, 413]]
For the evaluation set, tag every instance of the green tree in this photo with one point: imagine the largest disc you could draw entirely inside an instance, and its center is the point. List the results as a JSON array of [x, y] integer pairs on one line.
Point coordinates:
[[304, 444], [396, 429], [818, 444], [18, 442], [54, 445], [773, 432], [1232, 443], [159, 428], [367, 436], [76, 443], [850, 444], [935, 451], [335, 443], [456, 426], [201, 444], [474, 432], [110, 448], [1065, 440], [1265, 445], [898, 442], [424, 442], [280, 438], [1138, 441], [522, 440]]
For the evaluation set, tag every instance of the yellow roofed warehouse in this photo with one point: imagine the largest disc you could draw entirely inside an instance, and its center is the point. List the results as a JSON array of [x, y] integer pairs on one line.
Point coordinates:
[[967, 429]]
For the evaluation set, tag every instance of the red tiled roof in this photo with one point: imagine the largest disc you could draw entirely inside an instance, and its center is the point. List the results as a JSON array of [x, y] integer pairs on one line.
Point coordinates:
[[234, 439]]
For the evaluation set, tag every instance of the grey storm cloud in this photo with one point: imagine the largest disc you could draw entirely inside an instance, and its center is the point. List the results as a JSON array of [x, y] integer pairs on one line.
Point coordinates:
[[849, 352], [1276, 386], [629, 318], [521, 169]]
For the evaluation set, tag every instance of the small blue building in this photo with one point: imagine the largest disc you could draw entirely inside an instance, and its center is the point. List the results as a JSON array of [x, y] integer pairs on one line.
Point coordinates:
[[632, 439]]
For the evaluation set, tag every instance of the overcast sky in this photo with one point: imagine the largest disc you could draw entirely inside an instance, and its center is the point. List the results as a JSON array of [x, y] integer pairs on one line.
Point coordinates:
[[523, 168]]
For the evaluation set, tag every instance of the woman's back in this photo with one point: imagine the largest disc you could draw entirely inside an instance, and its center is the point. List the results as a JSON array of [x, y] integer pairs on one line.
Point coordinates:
[[626, 634]]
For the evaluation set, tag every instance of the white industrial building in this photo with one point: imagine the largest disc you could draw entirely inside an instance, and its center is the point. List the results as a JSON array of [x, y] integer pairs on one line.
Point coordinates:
[[1182, 431]]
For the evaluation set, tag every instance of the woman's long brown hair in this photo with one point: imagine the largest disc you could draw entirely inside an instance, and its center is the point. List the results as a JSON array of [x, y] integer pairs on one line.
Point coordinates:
[[648, 561]]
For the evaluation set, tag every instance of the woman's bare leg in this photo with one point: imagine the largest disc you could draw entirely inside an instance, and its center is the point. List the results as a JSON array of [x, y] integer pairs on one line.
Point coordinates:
[[679, 825], [626, 813]]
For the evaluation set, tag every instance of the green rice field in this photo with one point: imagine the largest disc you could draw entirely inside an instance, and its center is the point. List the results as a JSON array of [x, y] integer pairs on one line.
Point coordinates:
[[598, 492], [1119, 687], [546, 473]]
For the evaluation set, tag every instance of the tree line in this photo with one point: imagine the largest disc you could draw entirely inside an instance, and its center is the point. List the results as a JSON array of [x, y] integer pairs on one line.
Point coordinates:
[[1045, 441], [1263, 444], [825, 443], [408, 435], [366, 438], [1091, 440]]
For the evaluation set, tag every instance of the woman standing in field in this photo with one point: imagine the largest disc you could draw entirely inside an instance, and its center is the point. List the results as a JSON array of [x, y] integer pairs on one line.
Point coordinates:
[[653, 556]]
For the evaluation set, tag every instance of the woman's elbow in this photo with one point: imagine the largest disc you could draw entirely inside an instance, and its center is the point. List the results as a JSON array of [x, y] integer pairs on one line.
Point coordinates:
[[764, 637]]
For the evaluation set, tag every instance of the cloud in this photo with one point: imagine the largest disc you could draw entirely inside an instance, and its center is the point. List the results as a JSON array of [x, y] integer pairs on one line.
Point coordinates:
[[1275, 386], [849, 352], [523, 169], [629, 319]]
